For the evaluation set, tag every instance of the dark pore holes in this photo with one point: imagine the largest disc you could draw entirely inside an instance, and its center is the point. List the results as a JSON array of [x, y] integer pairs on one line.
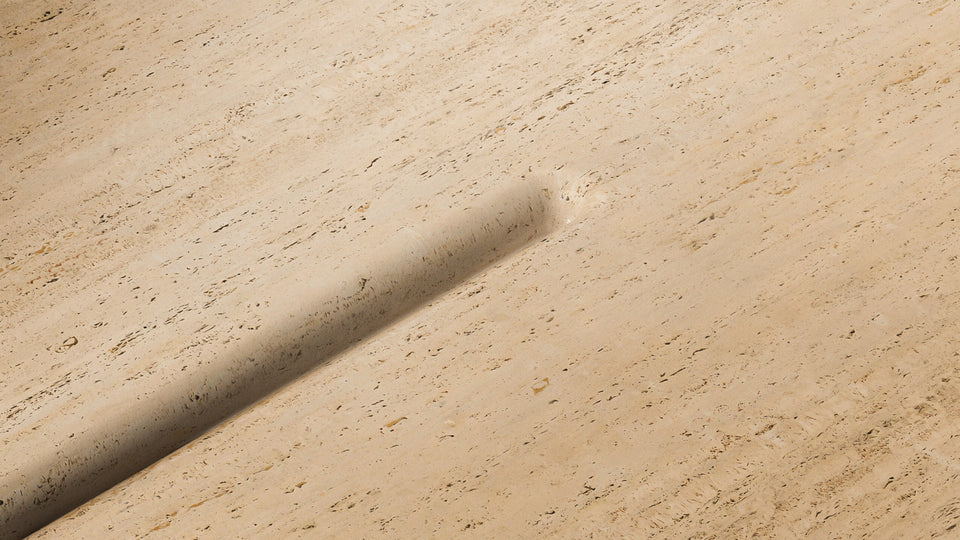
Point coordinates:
[[392, 279]]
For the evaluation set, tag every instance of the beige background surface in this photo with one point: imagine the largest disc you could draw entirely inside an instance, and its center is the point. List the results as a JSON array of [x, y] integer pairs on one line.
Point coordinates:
[[743, 323]]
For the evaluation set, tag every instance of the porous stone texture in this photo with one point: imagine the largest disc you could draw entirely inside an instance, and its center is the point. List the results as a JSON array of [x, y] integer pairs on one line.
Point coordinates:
[[732, 309]]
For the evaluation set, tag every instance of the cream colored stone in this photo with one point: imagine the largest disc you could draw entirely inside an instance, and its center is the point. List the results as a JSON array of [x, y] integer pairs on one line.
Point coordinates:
[[732, 309]]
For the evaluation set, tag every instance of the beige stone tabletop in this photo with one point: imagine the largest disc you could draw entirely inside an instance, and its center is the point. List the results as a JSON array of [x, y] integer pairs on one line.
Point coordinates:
[[496, 269]]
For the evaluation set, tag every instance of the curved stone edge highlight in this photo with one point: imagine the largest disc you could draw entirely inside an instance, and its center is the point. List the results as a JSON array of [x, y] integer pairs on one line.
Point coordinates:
[[403, 272]]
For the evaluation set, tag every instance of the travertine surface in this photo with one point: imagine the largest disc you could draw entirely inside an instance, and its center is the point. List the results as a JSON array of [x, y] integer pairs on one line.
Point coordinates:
[[742, 319]]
